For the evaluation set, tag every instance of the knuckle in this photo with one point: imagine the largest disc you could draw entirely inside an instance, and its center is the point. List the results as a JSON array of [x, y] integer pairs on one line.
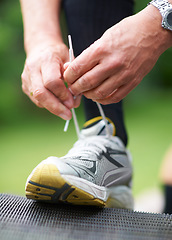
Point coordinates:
[[23, 76], [114, 64], [57, 87], [30, 65], [100, 94], [75, 68], [24, 88], [38, 93], [59, 84], [63, 95], [50, 83], [117, 63], [85, 83], [116, 99], [98, 47], [49, 56], [98, 50]]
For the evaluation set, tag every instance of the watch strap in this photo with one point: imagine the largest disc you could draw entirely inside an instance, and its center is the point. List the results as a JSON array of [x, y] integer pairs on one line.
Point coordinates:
[[162, 5]]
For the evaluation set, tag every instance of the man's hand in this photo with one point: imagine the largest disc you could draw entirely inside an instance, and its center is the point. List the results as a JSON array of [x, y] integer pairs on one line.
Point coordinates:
[[116, 63], [42, 79]]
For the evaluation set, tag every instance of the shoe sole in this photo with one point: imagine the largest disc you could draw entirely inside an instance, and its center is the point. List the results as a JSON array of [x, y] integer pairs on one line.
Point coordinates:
[[47, 184], [52, 187]]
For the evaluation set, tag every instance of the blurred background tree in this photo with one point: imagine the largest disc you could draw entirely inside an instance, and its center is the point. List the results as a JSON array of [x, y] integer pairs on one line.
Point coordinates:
[[29, 134], [11, 60]]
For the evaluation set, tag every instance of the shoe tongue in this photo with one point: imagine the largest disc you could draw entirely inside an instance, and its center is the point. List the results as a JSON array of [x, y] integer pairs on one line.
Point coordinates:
[[96, 126]]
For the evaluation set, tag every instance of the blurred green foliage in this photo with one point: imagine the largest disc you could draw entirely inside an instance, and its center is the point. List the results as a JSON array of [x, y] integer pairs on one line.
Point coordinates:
[[15, 107], [11, 59]]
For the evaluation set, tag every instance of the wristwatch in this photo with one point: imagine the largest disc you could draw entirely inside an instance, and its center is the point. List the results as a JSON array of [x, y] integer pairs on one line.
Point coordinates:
[[165, 9]]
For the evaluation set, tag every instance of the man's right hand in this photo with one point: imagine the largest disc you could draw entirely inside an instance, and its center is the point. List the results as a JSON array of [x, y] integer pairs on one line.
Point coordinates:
[[42, 79]]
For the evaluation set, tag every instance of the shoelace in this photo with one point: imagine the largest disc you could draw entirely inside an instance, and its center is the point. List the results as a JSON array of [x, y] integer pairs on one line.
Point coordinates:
[[88, 147], [71, 57]]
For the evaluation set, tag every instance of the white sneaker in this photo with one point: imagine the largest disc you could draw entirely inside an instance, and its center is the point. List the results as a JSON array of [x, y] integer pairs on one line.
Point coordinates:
[[96, 171]]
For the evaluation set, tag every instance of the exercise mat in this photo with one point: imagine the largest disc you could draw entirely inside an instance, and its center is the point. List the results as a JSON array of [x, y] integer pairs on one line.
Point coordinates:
[[23, 219]]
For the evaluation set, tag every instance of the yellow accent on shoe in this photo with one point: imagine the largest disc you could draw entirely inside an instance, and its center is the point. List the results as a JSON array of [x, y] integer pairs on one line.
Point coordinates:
[[47, 174], [37, 197], [80, 197], [46, 181], [42, 180], [93, 120]]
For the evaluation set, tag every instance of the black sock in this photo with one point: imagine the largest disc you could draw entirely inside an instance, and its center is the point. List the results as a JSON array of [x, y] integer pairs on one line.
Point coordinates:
[[168, 199], [112, 111]]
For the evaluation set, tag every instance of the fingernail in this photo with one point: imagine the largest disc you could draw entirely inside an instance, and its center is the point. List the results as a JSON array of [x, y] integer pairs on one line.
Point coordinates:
[[65, 116]]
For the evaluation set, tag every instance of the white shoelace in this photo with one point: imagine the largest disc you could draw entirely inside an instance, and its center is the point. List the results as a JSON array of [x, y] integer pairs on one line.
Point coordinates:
[[88, 148], [71, 57]]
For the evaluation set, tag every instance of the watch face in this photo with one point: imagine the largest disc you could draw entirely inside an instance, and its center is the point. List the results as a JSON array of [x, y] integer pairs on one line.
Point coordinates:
[[168, 19]]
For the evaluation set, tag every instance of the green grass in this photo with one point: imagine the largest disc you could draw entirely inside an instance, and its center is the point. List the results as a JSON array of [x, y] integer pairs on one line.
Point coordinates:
[[148, 122]]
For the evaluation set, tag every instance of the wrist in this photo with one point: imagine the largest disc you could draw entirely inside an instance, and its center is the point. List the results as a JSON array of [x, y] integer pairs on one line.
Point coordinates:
[[160, 38], [164, 36], [41, 23], [41, 38], [47, 43]]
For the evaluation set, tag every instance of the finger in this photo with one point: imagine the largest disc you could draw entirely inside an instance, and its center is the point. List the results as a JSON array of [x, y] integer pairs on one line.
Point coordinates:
[[119, 93], [90, 80], [124, 90], [26, 86], [30, 95], [52, 80], [80, 65], [48, 99], [111, 84], [108, 86], [77, 101]]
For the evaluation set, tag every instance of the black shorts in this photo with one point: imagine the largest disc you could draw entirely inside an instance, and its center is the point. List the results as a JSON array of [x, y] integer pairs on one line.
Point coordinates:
[[87, 20]]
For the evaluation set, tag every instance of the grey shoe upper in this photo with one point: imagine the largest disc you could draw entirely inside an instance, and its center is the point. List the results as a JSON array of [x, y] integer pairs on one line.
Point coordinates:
[[97, 158]]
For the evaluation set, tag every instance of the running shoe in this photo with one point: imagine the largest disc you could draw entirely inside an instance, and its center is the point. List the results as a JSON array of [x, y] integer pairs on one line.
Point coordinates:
[[96, 171]]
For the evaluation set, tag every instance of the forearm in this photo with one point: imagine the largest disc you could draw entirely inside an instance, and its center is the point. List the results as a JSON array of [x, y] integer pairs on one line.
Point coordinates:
[[41, 22]]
